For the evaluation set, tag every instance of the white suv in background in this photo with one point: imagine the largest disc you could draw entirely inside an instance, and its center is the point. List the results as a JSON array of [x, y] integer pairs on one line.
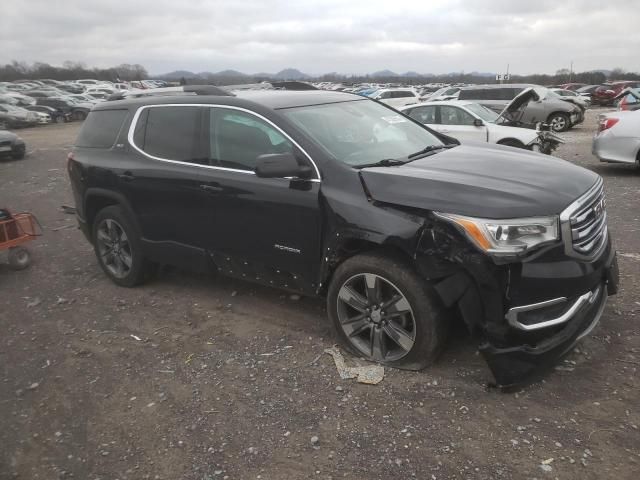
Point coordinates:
[[397, 97]]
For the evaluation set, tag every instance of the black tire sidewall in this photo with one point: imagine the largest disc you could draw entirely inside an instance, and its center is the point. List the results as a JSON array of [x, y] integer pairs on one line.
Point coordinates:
[[136, 274], [428, 313]]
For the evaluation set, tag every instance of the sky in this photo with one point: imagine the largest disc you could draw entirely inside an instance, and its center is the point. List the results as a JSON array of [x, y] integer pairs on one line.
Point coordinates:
[[344, 36]]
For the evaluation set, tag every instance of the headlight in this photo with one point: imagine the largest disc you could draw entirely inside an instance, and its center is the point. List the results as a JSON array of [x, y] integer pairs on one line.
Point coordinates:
[[506, 237]]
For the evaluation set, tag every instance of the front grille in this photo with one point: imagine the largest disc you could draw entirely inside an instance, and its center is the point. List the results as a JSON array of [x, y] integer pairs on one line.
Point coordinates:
[[585, 223], [6, 143]]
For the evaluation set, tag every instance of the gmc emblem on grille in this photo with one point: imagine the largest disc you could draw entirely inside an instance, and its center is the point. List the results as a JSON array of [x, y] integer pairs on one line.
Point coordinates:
[[598, 208]]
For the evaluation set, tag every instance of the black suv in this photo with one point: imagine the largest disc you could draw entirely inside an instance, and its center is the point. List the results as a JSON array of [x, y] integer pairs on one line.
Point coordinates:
[[333, 194]]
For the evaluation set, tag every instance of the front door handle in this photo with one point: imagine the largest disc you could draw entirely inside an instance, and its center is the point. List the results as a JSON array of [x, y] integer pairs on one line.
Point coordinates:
[[211, 188], [126, 176]]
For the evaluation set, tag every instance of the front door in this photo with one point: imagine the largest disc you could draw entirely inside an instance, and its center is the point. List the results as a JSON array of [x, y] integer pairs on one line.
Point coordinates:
[[264, 229], [457, 123]]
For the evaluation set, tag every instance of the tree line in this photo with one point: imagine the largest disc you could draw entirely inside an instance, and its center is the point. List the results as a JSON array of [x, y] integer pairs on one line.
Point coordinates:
[[70, 71], [127, 72]]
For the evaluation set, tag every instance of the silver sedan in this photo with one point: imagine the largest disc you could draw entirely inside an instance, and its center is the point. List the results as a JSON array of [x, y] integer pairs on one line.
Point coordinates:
[[618, 137]]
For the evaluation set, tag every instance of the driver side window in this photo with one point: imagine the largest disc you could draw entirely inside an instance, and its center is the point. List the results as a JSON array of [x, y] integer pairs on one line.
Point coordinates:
[[454, 116], [237, 139]]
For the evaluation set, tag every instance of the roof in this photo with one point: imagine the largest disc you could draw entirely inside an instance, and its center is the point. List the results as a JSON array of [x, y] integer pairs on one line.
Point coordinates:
[[274, 99], [459, 103], [505, 85]]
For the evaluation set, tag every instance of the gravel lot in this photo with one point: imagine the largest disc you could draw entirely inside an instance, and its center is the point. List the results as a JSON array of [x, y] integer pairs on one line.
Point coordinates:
[[200, 377]]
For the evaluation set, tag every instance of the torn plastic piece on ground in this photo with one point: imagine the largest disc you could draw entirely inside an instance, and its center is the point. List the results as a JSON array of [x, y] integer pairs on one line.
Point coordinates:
[[369, 374]]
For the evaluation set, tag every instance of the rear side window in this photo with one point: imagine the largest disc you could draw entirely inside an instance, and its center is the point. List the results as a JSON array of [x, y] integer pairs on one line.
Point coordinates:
[[170, 133], [100, 129], [474, 94]]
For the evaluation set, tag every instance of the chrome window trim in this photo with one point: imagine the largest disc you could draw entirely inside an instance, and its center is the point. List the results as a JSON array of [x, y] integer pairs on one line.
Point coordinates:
[[565, 223], [139, 111]]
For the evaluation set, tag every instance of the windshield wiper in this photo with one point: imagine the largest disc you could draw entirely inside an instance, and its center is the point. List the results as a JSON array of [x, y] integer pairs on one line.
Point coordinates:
[[429, 149], [385, 162]]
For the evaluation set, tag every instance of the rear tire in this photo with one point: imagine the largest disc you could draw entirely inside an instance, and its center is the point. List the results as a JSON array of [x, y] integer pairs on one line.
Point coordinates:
[[383, 311], [117, 245]]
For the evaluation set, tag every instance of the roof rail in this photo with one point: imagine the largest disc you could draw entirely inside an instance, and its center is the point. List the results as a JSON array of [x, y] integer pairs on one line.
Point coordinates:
[[169, 91]]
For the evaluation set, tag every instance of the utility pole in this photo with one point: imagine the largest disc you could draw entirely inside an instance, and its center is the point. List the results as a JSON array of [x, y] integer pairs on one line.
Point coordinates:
[[571, 72]]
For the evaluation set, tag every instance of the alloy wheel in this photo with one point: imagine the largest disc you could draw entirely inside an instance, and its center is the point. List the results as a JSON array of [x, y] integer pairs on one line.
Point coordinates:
[[114, 248], [376, 317], [558, 124]]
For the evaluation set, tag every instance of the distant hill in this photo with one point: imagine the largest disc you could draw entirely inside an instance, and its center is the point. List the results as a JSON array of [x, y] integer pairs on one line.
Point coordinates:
[[177, 75], [383, 73], [290, 74], [230, 73]]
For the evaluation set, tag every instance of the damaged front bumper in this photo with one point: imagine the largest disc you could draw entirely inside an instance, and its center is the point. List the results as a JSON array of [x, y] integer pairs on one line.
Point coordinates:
[[541, 333]]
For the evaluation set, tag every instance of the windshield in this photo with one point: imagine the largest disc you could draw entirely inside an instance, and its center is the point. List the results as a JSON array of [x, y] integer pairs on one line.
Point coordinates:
[[361, 132], [483, 112]]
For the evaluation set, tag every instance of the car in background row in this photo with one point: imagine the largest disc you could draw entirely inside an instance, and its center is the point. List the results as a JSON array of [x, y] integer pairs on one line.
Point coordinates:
[[56, 116], [587, 91], [396, 97], [571, 86], [16, 117], [628, 99], [605, 95], [574, 97], [618, 138], [11, 145], [445, 93], [547, 107], [471, 122]]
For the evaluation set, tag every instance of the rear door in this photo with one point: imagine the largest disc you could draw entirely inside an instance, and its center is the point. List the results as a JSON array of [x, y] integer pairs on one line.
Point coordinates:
[[167, 184]]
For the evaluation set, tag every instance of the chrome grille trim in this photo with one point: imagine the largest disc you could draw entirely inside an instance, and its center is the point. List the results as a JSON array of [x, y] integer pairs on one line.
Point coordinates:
[[584, 224]]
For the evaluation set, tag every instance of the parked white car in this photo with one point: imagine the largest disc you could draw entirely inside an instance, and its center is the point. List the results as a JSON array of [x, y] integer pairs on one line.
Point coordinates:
[[396, 97], [467, 121], [618, 137]]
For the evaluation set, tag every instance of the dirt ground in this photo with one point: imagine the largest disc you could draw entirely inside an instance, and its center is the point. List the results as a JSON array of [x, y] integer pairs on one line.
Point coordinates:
[[205, 378]]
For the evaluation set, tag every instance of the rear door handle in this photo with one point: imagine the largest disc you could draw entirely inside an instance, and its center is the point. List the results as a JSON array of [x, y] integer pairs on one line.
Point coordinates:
[[126, 176], [211, 188]]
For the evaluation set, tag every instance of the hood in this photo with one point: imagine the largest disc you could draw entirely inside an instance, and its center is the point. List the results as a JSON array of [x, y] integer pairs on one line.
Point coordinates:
[[515, 108], [482, 181]]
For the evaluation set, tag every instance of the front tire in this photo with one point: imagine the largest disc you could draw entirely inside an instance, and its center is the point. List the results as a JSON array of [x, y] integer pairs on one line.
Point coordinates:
[[117, 246], [559, 122], [382, 310]]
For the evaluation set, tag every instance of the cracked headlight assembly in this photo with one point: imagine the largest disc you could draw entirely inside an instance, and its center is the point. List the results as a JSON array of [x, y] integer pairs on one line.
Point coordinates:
[[509, 237]]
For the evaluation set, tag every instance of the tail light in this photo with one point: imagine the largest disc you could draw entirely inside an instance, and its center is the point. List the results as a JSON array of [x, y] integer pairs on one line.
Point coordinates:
[[607, 123]]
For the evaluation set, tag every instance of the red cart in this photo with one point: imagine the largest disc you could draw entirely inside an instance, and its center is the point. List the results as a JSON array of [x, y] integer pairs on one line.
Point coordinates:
[[15, 231]]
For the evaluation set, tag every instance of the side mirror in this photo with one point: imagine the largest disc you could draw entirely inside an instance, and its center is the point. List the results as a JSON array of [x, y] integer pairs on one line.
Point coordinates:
[[478, 123], [280, 165]]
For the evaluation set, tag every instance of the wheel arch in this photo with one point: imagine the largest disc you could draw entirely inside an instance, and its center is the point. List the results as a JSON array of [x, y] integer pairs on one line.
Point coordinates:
[[511, 140], [96, 199]]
